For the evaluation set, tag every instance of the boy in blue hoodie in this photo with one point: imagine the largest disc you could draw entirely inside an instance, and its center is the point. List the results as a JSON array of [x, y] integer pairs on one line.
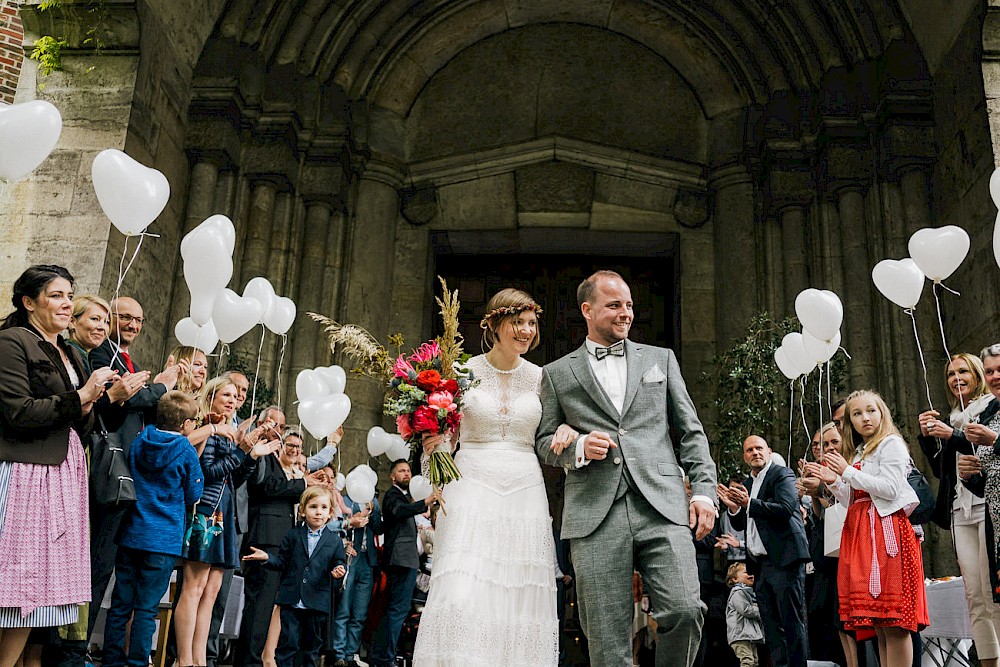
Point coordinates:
[[168, 481]]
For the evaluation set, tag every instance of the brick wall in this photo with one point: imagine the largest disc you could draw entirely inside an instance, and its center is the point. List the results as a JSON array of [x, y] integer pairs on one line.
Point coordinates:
[[11, 50]]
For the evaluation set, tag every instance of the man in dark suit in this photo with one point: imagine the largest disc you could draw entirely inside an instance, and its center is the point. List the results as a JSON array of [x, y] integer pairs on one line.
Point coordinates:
[[272, 498], [400, 553], [777, 550], [349, 617], [128, 418]]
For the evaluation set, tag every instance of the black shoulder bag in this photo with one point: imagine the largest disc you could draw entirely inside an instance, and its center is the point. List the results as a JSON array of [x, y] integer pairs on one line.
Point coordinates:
[[923, 511], [110, 476]]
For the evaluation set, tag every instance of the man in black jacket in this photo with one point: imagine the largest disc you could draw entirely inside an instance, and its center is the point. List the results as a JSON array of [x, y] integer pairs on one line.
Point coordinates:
[[128, 418], [777, 550], [400, 553]]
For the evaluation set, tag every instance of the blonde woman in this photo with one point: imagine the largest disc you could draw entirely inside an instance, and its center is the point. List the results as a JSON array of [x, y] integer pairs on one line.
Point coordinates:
[[211, 546], [195, 364], [958, 509], [881, 576]]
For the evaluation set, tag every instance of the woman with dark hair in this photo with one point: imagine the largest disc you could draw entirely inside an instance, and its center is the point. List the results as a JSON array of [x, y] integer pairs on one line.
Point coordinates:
[[46, 400]]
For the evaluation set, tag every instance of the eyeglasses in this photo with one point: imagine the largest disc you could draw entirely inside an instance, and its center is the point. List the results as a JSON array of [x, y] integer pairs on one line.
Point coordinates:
[[128, 319], [289, 445]]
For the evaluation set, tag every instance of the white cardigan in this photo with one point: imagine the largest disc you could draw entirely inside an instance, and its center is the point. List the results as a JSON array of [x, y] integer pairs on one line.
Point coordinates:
[[883, 476]]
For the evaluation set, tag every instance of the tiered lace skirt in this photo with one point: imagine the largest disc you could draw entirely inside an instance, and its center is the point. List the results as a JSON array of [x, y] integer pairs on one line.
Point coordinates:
[[492, 598]]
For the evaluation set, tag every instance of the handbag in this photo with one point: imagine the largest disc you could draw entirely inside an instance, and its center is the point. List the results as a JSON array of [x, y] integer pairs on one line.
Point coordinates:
[[833, 529], [110, 476], [923, 511]]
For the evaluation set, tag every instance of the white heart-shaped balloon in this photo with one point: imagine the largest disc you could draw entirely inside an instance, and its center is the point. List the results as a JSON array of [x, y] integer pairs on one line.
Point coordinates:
[[939, 251], [996, 239], [308, 384], [819, 350], [398, 449], [796, 350], [262, 290], [322, 415], [360, 489], [820, 312], [334, 377], [340, 481], [216, 227], [203, 337], [234, 315], [131, 194], [377, 441], [279, 319], [207, 271], [28, 133], [995, 187], [420, 488], [785, 365], [901, 281]]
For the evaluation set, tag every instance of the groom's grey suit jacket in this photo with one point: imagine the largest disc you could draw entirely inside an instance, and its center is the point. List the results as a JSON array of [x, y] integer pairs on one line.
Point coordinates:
[[656, 402]]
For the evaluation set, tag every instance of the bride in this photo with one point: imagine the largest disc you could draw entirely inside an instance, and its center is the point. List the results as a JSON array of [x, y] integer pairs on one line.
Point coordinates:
[[492, 597]]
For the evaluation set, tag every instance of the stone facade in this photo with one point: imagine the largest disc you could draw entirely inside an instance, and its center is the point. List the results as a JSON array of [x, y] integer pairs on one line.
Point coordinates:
[[358, 147]]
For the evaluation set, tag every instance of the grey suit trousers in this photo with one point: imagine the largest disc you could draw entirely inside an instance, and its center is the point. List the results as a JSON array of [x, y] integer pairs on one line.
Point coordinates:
[[634, 536]]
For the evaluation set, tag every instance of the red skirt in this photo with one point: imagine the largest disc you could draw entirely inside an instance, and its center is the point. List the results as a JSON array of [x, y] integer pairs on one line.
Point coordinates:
[[887, 591]]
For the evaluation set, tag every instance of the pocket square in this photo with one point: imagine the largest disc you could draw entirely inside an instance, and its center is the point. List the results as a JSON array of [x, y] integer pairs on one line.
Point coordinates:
[[654, 374]]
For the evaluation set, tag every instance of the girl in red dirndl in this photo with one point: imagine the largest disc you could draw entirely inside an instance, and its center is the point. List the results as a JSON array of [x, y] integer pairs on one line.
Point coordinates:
[[881, 574]]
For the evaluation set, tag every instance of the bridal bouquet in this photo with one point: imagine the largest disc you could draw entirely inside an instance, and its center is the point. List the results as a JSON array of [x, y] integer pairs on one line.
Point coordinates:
[[426, 399], [424, 388]]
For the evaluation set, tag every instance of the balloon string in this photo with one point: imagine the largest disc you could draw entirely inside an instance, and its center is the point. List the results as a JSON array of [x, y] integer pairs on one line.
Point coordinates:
[[937, 302], [920, 353], [791, 414], [260, 349], [281, 358], [121, 273], [819, 398], [802, 406], [829, 388]]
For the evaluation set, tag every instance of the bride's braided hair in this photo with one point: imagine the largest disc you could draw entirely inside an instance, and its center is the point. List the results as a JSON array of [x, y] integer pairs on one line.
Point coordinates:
[[503, 307]]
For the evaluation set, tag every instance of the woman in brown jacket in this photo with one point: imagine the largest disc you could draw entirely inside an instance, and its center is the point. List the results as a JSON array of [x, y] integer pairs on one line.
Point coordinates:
[[45, 408]]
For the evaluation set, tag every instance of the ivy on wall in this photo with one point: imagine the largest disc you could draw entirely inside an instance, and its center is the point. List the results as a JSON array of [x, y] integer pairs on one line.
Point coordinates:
[[751, 396], [93, 14]]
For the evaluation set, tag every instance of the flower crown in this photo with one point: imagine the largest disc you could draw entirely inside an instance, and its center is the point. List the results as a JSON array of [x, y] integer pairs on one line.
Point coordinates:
[[507, 310]]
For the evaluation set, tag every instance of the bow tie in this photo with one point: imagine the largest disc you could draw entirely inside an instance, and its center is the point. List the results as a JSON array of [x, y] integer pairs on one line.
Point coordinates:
[[616, 350]]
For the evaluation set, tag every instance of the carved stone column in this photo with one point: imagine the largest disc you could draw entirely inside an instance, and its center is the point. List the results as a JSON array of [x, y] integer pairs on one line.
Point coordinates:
[[368, 293], [857, 297], [796, 273], [256, 254], [735, 252]]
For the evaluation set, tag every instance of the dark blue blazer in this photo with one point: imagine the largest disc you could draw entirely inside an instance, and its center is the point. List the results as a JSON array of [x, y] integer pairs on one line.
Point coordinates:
[[776, 513], [303, 577], [368, 533]]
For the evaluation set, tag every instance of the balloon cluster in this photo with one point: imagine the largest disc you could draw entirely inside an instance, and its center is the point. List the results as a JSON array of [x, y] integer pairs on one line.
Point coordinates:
[[934, 254], [390, 444], [217, 312], [323, 405], [821, 314]]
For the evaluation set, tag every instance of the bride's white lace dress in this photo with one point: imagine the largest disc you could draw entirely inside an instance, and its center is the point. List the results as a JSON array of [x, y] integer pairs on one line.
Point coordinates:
[[492, 597]]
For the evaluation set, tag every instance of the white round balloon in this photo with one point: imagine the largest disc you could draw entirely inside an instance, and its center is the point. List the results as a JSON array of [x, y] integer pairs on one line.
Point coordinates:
[[796, 351], [204, 337], [820, 312], [281, 316], [308, 384], [785, 365], [818, 350], [420, 488], [322, 415], [360, 489], [378, 442], [334, 377]]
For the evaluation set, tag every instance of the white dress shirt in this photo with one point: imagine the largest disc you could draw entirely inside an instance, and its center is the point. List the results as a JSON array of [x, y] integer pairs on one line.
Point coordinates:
[[754, 544]]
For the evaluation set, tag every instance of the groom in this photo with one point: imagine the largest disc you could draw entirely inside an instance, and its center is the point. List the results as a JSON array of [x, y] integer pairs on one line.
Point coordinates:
[[626, 507]]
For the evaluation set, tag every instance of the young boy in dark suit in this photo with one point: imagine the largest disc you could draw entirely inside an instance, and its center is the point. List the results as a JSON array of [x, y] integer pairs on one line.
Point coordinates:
[[307, 558]]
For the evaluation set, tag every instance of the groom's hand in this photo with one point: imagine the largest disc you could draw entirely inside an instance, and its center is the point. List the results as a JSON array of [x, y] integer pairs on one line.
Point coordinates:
[[701, 519], [596, 445]]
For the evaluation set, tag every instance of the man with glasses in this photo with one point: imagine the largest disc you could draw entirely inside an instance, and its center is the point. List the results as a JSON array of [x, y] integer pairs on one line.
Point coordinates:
[[128, 418], [272, 514]]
